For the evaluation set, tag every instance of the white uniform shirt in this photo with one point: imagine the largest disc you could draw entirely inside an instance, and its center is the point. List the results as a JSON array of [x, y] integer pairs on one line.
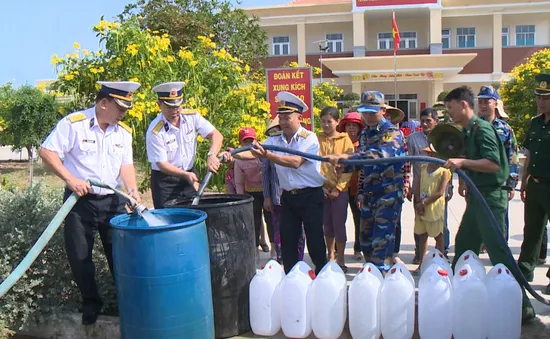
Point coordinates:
[[88, 151], [307, 175], [178, 146]]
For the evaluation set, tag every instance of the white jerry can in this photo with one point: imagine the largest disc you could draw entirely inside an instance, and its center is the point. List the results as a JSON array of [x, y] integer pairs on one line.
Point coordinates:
[[505, 298], [397, 301], [470, 258], [405, 271], [265, 299], [364, 303], [435, 316], [435, 256], [328, 302], [427, 259], [470, 305], [295, 301]]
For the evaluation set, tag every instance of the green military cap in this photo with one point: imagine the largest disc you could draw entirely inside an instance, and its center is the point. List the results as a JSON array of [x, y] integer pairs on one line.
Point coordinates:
[[543, 87], [447, 141]]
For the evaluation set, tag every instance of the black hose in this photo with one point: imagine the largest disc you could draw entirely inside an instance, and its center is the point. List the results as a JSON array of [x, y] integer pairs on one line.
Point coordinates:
[[473, 190]]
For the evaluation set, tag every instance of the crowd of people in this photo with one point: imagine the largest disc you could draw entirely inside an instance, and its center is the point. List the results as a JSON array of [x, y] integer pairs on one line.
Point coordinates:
[[305, 202]]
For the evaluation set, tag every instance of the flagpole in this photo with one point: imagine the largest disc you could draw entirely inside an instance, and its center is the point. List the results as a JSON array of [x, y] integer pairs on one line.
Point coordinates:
[[395, 76], [395, 59]]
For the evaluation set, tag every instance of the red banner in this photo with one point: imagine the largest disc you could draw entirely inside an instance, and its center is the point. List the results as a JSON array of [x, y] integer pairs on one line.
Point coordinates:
[[297, 81], [373, 3]]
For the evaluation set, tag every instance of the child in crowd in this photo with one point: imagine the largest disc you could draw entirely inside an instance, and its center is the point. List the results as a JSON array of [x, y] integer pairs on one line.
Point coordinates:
[[248, 180], [230, 178], [429, 204]]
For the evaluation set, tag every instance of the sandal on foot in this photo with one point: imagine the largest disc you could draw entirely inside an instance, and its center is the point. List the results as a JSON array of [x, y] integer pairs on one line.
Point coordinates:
[[344, 268]]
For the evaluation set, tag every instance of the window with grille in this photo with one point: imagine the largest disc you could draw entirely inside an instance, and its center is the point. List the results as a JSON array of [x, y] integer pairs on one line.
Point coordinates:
[[385, 41], [335, 43], [466, 37], [505, 36], [525, 35], [446, 38], [281, 45], [408, 40]]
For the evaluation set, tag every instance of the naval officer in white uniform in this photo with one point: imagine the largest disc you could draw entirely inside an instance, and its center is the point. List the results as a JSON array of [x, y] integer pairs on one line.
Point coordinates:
[[94, 143], [172, 144], [300, 179]]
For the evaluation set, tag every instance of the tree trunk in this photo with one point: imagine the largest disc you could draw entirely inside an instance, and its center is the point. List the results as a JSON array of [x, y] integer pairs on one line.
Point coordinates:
[[31, 160]]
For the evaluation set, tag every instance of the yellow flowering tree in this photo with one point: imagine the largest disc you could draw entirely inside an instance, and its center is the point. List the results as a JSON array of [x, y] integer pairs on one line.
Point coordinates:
[[517, 93], [222, 88], [218, 85], [7, 97]]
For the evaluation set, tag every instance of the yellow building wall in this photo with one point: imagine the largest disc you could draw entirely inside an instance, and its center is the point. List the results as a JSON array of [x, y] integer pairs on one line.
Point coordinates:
[[420, 25], [290, 31], [316, 32], [540, 20]]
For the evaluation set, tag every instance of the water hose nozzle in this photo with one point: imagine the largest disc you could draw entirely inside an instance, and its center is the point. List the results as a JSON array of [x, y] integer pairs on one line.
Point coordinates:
[[139, 208]]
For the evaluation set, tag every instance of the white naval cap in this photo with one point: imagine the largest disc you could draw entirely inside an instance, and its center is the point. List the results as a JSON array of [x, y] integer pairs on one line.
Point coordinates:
[[170, 93], [121, 91], [290, 103]]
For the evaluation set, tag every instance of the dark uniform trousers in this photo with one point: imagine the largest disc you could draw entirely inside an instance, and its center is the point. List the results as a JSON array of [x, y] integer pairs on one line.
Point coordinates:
[[537, 207], [89, 215], [166, 187], [303, 206], [258, 207], [476, 227], [356, 212]]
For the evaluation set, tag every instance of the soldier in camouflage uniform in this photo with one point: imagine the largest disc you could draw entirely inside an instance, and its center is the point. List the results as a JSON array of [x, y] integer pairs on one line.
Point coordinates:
[[489, 110], [380, 194]]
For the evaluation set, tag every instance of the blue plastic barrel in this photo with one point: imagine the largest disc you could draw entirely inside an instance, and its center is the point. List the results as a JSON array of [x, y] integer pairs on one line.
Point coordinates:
[[162, 276]]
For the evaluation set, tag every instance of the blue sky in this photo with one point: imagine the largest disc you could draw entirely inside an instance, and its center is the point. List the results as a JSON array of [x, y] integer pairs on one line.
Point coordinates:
[[32, 31]]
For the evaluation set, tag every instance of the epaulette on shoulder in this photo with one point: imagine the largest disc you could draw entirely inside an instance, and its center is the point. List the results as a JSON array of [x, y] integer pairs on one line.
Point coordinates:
[[126, 127], [77, 117], [189, 111], [304, 134], [158, 127]]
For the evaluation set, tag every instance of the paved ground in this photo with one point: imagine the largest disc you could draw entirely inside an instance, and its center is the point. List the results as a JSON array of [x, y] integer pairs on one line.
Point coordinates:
[[539, 329]]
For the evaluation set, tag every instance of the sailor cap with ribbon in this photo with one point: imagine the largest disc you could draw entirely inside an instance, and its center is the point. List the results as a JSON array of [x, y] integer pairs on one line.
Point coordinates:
[[121, 91], [170, 93], [290, 103]]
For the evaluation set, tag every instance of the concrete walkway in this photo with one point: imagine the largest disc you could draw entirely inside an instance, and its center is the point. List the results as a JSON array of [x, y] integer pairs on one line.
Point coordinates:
[[539, 329]]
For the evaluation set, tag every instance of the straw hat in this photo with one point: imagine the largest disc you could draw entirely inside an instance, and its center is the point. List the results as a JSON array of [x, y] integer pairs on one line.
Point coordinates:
[[440, 108], [500, 111], [394, 114], [274, 129]]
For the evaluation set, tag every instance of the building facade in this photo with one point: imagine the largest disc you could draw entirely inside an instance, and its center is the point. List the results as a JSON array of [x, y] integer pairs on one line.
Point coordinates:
[[444, 43]]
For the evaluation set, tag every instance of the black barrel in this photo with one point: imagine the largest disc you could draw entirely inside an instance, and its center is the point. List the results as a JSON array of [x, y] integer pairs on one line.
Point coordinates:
[[232, 245]]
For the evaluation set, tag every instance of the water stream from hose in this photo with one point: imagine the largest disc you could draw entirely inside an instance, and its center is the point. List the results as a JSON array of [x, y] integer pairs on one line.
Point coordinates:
[[151, 219]]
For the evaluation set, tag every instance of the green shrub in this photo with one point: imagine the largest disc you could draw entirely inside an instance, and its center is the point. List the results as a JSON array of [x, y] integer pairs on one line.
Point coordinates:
[[47, 288]]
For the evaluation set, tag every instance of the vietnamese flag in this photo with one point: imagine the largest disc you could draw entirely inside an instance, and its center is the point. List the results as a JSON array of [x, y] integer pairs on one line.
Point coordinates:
[[395, 34]]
